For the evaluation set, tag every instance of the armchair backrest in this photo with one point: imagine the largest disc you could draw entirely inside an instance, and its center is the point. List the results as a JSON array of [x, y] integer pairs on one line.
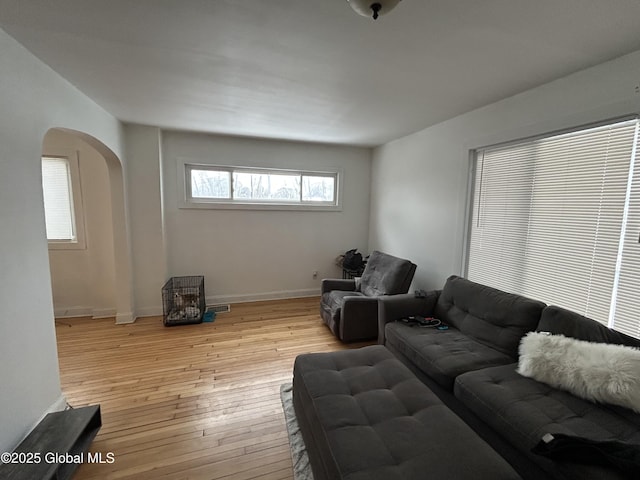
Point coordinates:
[[386, 275]]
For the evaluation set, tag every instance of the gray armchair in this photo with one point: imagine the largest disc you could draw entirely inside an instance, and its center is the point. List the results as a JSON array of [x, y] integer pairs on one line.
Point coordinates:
[[350, 307]]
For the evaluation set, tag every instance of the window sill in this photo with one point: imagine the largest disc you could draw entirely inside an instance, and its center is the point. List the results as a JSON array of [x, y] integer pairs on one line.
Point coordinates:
[[258, 206], [67, 246]]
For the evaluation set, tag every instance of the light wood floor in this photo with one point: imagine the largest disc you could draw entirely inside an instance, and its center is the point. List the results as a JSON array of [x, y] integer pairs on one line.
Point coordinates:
[[191, 402]]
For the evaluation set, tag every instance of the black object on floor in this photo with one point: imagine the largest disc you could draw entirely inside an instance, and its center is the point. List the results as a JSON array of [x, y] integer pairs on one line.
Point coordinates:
[[561, 447], [56, 447]]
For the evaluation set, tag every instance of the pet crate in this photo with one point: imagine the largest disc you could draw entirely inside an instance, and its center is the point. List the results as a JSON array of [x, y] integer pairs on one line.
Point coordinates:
[[183, 300]]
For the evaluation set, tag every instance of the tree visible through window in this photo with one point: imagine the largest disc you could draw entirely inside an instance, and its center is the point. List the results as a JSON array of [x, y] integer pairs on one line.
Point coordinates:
[[241, 185], [210, 184]]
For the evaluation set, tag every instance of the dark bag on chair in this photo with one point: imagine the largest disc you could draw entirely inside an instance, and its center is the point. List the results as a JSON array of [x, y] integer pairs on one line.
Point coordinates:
[[352, 260]]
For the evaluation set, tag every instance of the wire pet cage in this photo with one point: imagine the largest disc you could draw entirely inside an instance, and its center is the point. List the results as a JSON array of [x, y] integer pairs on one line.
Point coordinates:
[[183, 300]]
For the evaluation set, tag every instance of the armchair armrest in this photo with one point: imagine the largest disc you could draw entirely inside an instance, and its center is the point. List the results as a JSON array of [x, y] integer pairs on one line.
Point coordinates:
[[395, 307], [362, 314], [329, 284]]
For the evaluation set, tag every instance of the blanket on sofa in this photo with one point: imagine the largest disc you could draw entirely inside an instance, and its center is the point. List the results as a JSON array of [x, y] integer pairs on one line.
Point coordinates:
[[620, 455]]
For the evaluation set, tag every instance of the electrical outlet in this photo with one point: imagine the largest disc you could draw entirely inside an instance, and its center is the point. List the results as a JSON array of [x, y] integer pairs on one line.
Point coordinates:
[[638, 88], [315, 274]]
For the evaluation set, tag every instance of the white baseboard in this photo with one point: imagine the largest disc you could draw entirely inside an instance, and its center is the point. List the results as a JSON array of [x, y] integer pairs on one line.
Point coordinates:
[[238, 298], [257, 297], [104, 312], [124, 318], [59, 405], [149, 311], [75, 312]]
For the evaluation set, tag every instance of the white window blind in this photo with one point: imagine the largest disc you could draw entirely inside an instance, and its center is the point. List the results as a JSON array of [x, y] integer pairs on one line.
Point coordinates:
[[58, 199], [553, 219]]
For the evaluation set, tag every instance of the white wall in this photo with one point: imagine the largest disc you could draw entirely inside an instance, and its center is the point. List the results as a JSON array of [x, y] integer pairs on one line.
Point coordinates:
[[147, 226], [33, 99], [419, 183], [247, 254], [83, 280]]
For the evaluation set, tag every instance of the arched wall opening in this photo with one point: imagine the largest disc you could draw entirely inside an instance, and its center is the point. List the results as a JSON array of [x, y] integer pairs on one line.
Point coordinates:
[[95, 281]]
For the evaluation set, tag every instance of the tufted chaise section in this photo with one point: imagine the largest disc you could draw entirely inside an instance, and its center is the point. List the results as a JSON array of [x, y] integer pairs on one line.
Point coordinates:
[[364, 415], [524, 410]]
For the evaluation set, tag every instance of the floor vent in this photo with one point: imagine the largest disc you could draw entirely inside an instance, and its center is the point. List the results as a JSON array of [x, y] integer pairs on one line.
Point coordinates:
[[222, 308]]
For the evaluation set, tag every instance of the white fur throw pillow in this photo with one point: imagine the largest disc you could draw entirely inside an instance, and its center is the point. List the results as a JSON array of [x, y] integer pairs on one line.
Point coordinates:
[[597, 372]]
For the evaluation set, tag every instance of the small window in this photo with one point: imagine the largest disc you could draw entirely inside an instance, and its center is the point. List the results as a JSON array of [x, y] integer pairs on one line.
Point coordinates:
[[265, 187], [210, 184], [318, 188], [60, 187]]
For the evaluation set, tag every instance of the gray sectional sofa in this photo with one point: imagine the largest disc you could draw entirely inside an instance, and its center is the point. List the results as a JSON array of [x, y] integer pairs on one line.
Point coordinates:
[[472, 367]]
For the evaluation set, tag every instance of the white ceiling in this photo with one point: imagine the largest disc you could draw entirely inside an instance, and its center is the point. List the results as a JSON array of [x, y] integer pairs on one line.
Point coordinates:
[[313, 70]]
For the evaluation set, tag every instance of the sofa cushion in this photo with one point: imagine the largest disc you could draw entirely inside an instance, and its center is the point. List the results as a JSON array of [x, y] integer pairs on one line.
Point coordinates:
[[599, 372], [524, 410], [492, 317], [386, 275], [442, 354], [559, 320]]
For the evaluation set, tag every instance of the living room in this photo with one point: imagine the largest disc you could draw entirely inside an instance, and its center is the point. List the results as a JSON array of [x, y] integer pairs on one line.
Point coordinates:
[[406, 195]]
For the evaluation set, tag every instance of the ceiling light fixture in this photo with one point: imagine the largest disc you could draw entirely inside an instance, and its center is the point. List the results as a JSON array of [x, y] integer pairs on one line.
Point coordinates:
[[371, 8]]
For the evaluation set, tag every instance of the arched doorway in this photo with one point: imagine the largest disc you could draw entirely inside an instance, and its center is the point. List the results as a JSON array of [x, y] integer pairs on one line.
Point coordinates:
[[95, 279]]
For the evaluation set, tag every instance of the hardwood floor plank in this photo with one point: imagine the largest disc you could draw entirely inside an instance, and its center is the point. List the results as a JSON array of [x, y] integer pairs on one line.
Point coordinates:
[[191, 402]]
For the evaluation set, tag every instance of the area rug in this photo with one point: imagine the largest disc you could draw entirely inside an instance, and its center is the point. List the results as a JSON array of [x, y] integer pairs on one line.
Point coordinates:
[[299, 457]]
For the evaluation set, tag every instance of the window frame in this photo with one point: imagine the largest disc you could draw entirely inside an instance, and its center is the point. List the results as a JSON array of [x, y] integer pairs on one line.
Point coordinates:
[[75, 186], [185, 167]]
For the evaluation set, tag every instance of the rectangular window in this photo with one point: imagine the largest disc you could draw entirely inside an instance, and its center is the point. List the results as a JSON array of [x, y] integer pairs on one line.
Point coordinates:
[[318, 189], [558, 218], [58, 200], [62, 202], [266, 187], [210, 184], [220, 185]]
